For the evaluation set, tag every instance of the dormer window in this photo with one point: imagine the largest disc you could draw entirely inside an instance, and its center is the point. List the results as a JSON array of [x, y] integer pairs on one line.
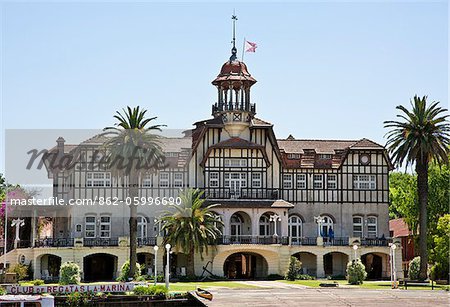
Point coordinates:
[[293, 156], [171, 154], [325, 156]]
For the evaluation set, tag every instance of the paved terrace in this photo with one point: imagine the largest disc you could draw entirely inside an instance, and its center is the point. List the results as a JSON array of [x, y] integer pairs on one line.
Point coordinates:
[[278, 294]]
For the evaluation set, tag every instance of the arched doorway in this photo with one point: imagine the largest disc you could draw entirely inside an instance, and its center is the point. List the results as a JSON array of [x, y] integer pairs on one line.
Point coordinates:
[[100, 267], [147, 262], [335, 264], [309, 262], [50, 265], [245, 266], [374, 265]]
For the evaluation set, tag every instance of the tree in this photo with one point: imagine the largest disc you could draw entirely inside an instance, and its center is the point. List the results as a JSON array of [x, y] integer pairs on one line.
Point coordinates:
[[403, 199], [420, 136], [294, 269], [132, 149], [191, 227], [440, 254]]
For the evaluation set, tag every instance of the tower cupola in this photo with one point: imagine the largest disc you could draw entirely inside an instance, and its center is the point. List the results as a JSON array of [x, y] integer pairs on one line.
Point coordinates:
[[233, 88]]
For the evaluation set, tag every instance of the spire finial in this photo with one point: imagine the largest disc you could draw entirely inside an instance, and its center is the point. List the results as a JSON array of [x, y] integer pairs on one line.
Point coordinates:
[[234, 50]]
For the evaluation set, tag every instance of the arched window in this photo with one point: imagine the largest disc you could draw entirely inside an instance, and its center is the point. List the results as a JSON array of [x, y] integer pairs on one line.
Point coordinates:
[[372, 229], [236, 224], [358, 226], [141, 227], [218, 225], [327, 226], [264, 226], [295, 224]]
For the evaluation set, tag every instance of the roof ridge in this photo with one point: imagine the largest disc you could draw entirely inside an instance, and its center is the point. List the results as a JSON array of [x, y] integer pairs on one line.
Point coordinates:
[[319, 140]]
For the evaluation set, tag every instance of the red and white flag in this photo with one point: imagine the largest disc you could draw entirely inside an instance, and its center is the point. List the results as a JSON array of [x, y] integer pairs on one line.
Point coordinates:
[[250, 47]]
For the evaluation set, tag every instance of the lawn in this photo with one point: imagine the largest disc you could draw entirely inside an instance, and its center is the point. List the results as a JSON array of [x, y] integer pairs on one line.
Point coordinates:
[[189, 286], [376, 285]]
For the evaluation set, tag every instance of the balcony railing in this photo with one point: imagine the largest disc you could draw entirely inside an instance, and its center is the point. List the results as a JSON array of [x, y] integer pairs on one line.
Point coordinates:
[[243, 193], [375, 242], [90, 242], [54, 242], [304, 241], [336, 241], [227, 240], [149, 241]]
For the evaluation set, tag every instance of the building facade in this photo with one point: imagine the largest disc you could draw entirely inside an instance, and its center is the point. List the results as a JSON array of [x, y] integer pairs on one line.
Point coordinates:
[[312, 199]]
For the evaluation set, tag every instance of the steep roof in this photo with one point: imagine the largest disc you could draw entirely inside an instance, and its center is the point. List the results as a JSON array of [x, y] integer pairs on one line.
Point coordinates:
[[399, 228], [319, 146]]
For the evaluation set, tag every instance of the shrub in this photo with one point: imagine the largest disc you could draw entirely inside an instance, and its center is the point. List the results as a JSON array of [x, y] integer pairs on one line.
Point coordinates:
[[356, 272], [37, 282], [2, 291], [158, 290], [294, 269], [305, 277], [21, 270], [414, 268], [125, 271], [69, 274], [77, 299]]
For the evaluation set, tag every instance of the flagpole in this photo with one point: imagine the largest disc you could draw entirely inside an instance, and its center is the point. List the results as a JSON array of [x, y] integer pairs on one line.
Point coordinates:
[[243, 51]]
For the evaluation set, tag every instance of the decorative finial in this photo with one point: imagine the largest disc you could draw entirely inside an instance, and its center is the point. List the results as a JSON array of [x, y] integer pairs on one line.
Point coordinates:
[[234, 50]]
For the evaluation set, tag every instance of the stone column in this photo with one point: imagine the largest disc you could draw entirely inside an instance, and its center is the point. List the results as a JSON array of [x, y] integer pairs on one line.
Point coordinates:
[[284, 223], [37, 268], [33, 227], [320, 272]]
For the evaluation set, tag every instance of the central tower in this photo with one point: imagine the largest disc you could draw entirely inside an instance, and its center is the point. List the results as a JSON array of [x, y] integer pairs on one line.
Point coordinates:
[[233, 85]]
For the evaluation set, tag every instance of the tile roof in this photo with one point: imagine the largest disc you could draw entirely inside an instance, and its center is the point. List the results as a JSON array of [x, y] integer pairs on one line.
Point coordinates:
[[399, 228], [320, 146]]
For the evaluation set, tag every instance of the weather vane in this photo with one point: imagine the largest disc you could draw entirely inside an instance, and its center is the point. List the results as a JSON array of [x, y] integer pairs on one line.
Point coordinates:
[[234, 50]]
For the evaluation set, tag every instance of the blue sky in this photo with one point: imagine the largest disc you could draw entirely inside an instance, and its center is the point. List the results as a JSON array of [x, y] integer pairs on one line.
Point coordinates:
[[329, 70]]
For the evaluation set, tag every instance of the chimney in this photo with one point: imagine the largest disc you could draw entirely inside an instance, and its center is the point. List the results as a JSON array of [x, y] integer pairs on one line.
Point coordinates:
[[60, 145]]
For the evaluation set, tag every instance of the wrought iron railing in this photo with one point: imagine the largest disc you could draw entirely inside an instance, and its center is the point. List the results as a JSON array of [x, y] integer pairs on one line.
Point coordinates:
[[243, 193], [90, 242], [336, 241], [149, 241], [376, 241], [248, 239], [304, 241], [54, 242]]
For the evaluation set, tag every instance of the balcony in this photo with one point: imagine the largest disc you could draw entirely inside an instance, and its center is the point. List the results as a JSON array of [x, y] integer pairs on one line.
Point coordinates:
[[227, 240], [375, 242], [243, 193], [304, 241], [336, 241], [148, 241], [92, 242], [51, 242]]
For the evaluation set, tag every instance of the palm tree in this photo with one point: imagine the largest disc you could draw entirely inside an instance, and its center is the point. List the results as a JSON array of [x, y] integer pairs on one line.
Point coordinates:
[[191, 227], [420, 136], [132, 149]]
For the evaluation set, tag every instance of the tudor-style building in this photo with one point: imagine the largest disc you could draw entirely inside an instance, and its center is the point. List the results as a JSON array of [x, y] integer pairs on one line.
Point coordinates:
[[314, 199]]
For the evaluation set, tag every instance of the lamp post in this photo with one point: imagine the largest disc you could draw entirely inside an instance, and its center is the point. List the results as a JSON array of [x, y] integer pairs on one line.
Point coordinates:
[[17, 223], [275, 218], [355, 248], [394, 274], [319, 220], [155, 248], [167, 264]]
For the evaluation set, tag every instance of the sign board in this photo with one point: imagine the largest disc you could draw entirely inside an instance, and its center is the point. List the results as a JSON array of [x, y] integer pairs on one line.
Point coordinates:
[[112, 287]]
